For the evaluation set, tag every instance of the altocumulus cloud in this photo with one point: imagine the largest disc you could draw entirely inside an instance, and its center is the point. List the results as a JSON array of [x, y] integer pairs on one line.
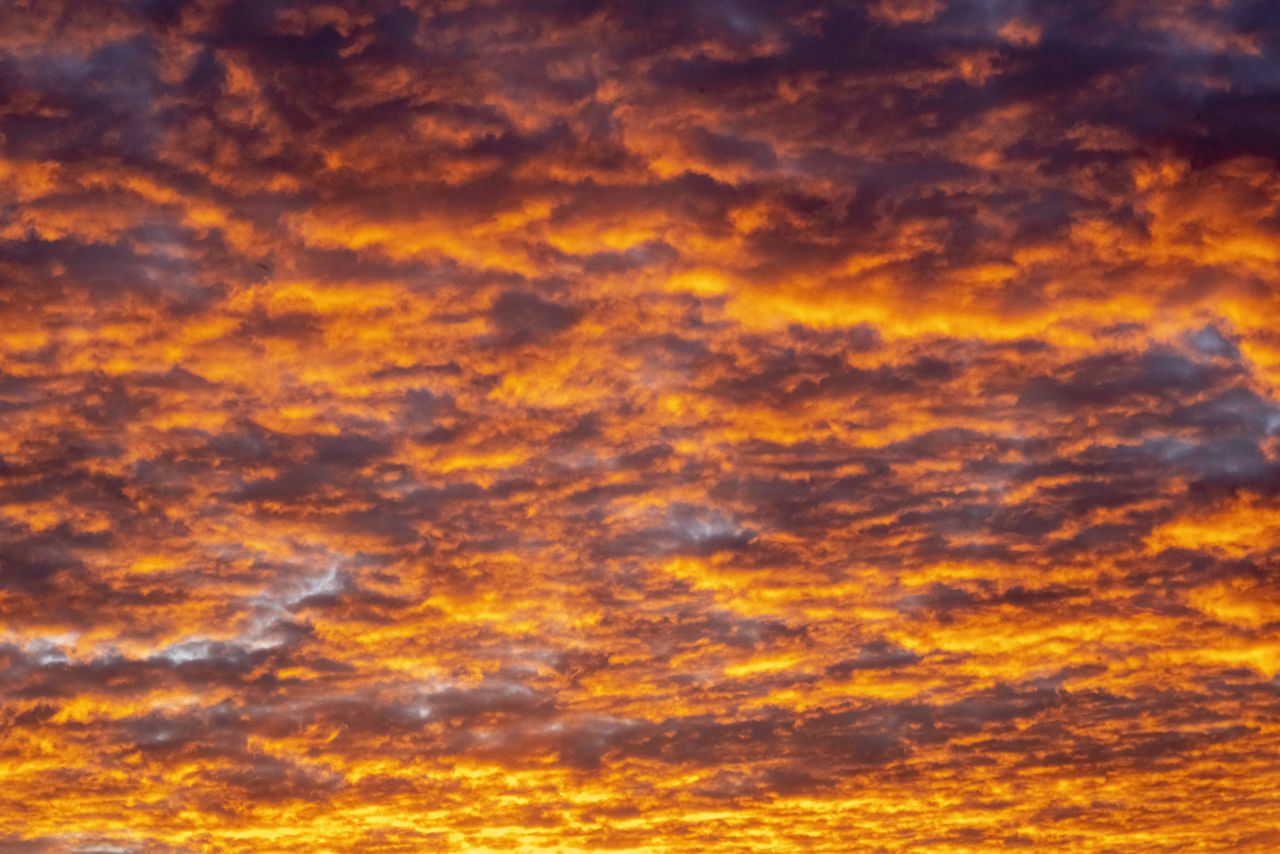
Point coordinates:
[[676, 426]]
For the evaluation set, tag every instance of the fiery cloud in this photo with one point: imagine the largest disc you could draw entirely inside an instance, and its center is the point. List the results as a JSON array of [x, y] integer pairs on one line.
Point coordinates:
[[677, 426]]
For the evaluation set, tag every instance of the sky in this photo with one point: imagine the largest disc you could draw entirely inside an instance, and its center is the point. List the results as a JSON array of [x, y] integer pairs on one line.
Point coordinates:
[[646, 426]]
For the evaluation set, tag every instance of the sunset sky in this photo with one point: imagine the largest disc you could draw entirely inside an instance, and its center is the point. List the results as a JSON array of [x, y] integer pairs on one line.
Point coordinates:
[[638, 426]]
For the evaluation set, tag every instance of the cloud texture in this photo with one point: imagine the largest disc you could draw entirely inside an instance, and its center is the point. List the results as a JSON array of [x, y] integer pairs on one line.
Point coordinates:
[[592, 425]]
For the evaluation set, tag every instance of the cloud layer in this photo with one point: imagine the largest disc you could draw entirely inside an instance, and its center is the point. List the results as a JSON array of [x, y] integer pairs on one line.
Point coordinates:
[[677, 426]]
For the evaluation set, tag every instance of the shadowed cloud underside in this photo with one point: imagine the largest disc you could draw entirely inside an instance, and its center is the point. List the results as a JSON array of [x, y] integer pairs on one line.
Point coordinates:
[[716, 426]]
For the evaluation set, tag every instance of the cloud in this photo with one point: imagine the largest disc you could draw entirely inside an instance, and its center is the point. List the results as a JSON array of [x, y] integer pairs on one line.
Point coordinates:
[[715, 425]]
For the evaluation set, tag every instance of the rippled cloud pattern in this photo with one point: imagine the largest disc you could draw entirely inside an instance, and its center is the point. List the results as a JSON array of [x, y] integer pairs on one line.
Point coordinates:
[[589, 425]]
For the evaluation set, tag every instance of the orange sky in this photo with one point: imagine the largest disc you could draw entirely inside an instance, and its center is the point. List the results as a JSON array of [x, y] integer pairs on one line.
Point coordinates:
[[675, 426]]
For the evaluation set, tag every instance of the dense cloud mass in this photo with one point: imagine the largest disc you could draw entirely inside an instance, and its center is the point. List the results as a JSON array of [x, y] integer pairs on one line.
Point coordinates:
[[699, 426]]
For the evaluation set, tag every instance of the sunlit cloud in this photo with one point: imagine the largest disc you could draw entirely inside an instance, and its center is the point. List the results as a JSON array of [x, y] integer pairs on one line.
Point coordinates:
[[492, 426]]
